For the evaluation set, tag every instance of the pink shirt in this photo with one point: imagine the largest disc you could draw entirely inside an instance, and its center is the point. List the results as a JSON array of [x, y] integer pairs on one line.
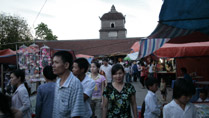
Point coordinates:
[[97, 93]]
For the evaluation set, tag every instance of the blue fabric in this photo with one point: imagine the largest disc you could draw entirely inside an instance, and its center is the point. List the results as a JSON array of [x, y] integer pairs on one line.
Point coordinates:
[[45, 100], [197, 10]]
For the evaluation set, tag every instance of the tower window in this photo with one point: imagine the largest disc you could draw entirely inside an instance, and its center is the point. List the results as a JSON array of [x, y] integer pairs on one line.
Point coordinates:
[[112, 25]]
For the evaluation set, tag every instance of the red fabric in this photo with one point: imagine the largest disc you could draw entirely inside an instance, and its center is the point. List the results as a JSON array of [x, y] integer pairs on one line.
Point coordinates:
[[8, 56], [193, 37], [183, 50], [200, 65], [84, 56]]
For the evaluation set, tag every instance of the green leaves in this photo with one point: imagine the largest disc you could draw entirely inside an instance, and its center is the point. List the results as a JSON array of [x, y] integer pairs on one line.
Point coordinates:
[[13, 30], [44, 33]]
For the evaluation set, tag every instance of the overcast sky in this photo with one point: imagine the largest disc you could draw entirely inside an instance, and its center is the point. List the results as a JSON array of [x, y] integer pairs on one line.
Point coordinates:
[[79, 19]]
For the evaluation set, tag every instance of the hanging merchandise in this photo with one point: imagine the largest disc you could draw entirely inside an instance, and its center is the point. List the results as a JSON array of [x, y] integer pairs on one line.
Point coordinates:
[[33, 59], [22, 58], [45, 58]]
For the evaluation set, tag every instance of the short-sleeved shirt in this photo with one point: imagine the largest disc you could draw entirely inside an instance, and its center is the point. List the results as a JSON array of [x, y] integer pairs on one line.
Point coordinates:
[[68, 100], [119, 102], [88, 88], [107, 70], [45, 100], [97, 93], [173, 110]]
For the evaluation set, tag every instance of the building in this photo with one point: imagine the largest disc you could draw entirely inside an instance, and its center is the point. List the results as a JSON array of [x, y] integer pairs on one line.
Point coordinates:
[[112, 40], [113, 25]]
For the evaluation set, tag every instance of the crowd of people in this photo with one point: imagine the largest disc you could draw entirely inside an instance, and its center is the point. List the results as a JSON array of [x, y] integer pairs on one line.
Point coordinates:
[[75, 88]]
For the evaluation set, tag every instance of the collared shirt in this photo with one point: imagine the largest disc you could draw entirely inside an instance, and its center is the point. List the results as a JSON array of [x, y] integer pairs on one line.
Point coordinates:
[[200, 100], [45, 100], [107, 70], [68, 100], [173, 110], [21, 101], [88, 88], [152, 108]]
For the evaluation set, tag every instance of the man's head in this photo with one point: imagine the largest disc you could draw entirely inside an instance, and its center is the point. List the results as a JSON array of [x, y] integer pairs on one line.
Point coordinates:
[[183, 90], [105, 61], [203, 94], [62, 62], [183, 70], [48, 73], [151, 84], [80, 66]]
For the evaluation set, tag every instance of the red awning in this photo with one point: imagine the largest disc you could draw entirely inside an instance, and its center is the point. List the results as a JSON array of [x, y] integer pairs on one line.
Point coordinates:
[[8, 56], [183, 50]]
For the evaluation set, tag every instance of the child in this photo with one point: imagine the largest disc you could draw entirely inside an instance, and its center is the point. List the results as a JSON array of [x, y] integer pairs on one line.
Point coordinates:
[[152, 108], [180, 107], [163, 88], [203, 96]]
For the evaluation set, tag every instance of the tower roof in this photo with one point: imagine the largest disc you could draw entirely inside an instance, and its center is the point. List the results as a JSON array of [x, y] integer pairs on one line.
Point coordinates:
[[112, 15]]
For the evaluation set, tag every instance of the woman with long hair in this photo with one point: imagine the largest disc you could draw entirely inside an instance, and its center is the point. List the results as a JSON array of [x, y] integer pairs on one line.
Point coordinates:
[[119, 97], [20, 98], [97, 93]]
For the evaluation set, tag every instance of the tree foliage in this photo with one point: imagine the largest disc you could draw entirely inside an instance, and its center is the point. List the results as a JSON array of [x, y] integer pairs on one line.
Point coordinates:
[[44, 33], [13, 29]]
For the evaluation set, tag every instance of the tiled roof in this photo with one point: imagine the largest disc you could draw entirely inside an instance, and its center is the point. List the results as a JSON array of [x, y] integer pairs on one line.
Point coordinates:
[[93, 47], [113, 16]]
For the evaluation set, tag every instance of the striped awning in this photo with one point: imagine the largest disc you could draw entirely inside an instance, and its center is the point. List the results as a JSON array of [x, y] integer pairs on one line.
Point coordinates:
[[162, 34]]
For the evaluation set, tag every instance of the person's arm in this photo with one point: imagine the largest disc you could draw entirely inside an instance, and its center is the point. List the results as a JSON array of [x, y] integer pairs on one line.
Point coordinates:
[[39, 103], [78, 102], [24, 99], [104, 107], [88, 90], [133, 104], [154, 108], [103, 85]]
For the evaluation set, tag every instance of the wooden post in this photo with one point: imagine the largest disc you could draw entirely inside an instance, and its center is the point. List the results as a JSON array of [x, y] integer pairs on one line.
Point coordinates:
[[2, 78]]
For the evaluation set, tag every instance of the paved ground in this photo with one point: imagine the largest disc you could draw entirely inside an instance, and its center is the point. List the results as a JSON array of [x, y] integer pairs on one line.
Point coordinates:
[[141, 93]]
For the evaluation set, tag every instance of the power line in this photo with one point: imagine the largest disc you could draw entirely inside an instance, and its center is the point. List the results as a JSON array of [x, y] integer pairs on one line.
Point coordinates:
[[39, 13]]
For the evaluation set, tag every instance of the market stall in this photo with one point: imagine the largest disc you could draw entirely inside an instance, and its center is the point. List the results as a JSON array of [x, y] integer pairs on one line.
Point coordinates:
[[7, 56], [193, 56]]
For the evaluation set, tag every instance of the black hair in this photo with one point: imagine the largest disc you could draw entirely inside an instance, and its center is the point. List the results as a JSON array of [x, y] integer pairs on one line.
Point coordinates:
[[5, 106], [150, 82], [105, 59], [21, 73], [117, 67], [184, 70], [82, 64], [65, 56], [183, 87], [96, 63], [204, 91], [48, 73]]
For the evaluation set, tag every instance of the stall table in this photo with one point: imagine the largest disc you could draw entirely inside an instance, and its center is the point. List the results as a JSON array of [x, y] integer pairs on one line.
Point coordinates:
[[169, 76], [202, 110]]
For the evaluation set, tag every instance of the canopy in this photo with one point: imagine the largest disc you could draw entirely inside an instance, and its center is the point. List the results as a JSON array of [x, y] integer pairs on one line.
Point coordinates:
[[183, 50], [8, 56], [84, 56], [177, 19]]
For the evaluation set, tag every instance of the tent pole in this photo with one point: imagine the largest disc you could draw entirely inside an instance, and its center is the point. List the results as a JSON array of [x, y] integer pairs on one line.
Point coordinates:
[[2, 79], [16, 56]]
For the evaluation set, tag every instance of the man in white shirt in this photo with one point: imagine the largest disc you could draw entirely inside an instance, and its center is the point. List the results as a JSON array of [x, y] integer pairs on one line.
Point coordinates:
[[203, 96], [80, 67], [107, 70], [152, 107], [180, 107]]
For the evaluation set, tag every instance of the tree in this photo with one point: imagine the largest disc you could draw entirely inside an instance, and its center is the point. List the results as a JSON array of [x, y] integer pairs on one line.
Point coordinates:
[[44, 33], [13, 30]]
